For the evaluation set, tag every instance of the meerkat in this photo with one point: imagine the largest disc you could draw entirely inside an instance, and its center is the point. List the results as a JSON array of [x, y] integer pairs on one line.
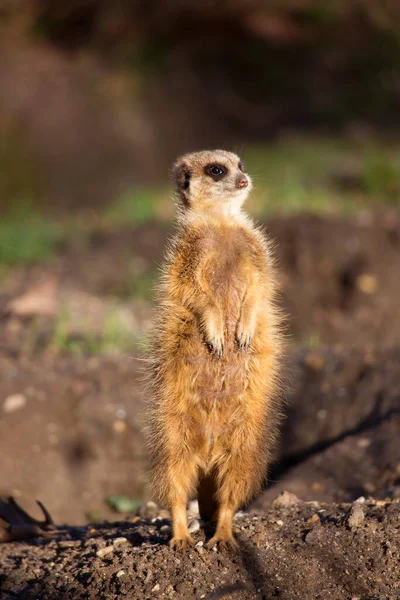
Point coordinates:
[[216, 351]]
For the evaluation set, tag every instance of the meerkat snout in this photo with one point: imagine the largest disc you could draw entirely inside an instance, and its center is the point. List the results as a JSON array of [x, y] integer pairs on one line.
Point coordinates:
[[242, 181], [211, 181]]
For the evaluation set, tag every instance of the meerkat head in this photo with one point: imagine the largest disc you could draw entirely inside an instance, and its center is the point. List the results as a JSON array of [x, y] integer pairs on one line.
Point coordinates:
[[211, 181]]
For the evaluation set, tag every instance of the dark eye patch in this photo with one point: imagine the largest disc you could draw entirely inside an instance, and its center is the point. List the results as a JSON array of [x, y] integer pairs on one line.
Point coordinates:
[[216, 171], [242, 167], [186, 180]]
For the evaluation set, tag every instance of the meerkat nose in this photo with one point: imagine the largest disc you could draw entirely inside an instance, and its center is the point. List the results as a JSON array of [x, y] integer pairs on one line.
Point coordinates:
[[243, 182]]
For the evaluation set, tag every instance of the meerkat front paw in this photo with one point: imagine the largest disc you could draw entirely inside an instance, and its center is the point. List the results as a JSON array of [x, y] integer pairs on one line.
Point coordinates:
[[216, 345], [244, 337], [214, 334]]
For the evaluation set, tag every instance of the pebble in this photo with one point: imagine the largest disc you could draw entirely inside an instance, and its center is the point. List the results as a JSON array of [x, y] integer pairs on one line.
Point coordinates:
[[314, 519], [200, 544], [367, 283], [194, 525], [279, 522], [166, 529], [156, 588], [69, 543], [360, 500], [356, 515], [120, 573], [193, 507], [148, 510], [119, 541], [14, 402], [119, 426], [104, 551], [315, 361], [286, 499]]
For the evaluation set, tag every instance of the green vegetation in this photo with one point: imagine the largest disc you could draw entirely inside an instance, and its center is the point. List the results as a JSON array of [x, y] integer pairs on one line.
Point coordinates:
[[139, 283], [139, 206], [380, 177], [292, 175], [114, 339], [321, 176], [123, 504], [27, 237]]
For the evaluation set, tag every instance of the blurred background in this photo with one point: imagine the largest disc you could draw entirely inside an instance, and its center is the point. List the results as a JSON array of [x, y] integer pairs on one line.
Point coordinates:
[[97, 98]]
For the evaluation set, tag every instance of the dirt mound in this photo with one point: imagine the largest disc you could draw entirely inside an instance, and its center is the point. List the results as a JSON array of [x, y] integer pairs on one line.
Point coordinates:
[[79, 421], [339, 285], [303, 551]]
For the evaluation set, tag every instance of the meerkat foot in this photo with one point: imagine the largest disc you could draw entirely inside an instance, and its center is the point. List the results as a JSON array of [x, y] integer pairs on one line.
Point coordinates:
[[228, 543], [181, 543]]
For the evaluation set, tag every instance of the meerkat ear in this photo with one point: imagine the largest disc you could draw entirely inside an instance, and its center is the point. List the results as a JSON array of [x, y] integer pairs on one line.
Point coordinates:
[[181, 175]]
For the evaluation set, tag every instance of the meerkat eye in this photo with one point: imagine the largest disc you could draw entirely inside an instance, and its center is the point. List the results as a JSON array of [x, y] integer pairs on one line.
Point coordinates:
[[242, 167], [216, 171]]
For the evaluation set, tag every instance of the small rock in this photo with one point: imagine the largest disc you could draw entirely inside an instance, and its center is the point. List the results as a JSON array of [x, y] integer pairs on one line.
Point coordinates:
[[286, 499], [360, 500], [120, 573], [363, 443], [314, 519], [166, 529], [200, 544], [356, 515], [194, 525], [156, 588], [381, 502], [119, 541], [104, 551], [257, 538], [315, 361], [314, 535], [119, 426], [148, 510], [68, 543], [279, 522], [193, 508], [366, 283], [240, 514], [14, 402]]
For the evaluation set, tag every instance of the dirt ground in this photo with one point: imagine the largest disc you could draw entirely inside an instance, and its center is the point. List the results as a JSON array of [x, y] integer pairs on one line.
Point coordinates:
[[71, 425], [309, 550]]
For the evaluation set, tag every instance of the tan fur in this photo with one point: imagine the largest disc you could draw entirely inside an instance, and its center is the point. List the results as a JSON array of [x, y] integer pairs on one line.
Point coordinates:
[[215, 353]]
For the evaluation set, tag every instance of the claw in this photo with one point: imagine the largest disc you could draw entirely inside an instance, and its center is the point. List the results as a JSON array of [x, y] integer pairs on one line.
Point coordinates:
[[229, 544], [217, 348], [181, 543], [244, 339]]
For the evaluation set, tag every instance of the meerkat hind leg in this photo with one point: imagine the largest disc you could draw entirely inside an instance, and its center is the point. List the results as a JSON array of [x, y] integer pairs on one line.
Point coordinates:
[[181, 537], [223, 536], [237, 479]]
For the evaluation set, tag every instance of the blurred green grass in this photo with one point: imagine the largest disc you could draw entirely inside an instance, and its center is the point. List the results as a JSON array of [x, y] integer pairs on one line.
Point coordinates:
[[322, 176], [27, 237], [114, 338], [291, 175]]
